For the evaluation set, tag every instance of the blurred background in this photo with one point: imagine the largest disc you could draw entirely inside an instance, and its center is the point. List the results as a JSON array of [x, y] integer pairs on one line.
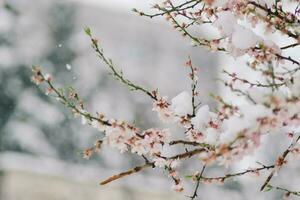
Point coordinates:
[[40, 141]]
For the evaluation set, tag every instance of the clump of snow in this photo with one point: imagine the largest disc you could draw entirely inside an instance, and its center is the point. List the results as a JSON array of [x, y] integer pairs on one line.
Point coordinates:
[[244, 38], [181, 104], [211, 136], [241, 37], [236, 124], [201, 118], [253, 112], [226, 22]]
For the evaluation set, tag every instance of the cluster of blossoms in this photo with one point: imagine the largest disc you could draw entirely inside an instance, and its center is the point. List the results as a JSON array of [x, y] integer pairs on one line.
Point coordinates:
[[123, 136], [222, 135]]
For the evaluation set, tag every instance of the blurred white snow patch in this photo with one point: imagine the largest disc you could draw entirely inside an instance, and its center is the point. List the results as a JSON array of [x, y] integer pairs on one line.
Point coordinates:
[[30, 138], [42, 111], [68, 66], [90, 172]]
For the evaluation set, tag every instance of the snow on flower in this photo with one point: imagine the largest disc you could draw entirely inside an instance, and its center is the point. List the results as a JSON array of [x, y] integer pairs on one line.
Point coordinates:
[[98, 125], [232, 127], [211, 136], [160, 162], [181, 104], [228, 136], [126, 137], [225, 22], [272, 47], [202, 118], [244, 38]]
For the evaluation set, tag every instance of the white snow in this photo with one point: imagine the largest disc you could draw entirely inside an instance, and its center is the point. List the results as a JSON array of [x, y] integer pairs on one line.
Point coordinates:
[[182, 104], [211, 136], [201, 118], [226, 22], [244, 38], [68, 66]]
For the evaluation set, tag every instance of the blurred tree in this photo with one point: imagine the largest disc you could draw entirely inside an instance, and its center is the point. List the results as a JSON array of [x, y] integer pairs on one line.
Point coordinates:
[[61, 29], [58, 55], [7, 101]]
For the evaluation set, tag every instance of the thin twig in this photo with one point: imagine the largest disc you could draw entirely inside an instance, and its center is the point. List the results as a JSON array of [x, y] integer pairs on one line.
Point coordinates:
[[198, 183], [227, 176], [118, 74], [282, 158]]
